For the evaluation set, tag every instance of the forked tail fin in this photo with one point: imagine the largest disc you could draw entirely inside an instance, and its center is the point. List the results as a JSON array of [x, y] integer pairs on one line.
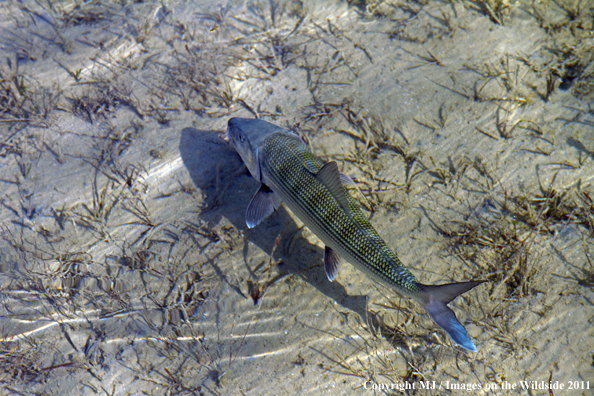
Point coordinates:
[[438, 297]]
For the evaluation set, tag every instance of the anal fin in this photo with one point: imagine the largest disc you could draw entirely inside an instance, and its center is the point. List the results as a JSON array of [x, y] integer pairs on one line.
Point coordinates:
[[263, 203]]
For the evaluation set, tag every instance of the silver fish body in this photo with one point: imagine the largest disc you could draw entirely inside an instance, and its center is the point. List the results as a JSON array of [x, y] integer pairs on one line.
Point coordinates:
[[314, 192]]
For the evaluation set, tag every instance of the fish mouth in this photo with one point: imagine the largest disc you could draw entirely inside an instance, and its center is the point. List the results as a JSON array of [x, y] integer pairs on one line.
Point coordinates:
[[231, 124]]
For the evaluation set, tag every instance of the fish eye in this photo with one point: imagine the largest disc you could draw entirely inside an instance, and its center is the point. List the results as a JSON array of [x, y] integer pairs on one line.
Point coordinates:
[[241, 137]]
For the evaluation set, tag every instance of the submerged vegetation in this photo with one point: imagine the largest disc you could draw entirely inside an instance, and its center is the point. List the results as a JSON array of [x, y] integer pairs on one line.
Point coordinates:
[[473, 160]]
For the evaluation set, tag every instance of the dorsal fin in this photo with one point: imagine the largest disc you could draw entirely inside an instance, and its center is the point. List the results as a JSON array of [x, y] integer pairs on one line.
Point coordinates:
[[330, 178], [346, 180]]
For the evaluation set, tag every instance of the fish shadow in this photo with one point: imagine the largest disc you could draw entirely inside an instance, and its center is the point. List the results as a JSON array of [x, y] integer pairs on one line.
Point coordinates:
[[218, 171], [579, 146]]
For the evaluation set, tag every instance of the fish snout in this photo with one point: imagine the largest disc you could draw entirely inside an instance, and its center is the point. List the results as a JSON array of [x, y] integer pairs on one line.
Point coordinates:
[[231, 128]]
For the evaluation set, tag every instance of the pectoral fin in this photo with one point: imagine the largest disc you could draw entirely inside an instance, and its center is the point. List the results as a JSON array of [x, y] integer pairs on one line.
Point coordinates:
[[331, 263], [261, 206], [330, 178]]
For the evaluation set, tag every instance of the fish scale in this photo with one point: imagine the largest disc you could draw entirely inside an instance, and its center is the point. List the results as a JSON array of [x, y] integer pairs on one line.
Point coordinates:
[[352, 237], [289, 172]]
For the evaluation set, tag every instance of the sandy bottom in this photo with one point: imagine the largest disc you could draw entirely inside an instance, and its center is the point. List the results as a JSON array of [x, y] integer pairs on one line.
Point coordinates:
[[126, 265]]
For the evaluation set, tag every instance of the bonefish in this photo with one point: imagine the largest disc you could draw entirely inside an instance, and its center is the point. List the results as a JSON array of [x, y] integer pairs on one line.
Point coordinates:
[[289, 172]]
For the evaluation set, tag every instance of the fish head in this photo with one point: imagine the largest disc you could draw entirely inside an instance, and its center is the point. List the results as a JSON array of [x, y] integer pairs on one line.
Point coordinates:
[[248, 136]]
